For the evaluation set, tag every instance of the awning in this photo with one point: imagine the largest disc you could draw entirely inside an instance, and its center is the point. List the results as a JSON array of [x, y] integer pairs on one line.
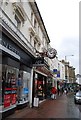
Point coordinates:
[[44, 71]]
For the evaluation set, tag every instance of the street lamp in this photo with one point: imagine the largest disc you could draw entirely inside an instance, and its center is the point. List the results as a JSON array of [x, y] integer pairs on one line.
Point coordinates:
[[67, 56]]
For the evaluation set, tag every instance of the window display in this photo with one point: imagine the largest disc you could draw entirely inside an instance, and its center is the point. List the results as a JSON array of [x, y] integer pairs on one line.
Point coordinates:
[[23, 87], [15, 87], [9, 90], [19, 84], [39, 87]]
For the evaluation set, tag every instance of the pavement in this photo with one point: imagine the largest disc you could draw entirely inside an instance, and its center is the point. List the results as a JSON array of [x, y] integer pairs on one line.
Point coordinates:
[[47, 109]]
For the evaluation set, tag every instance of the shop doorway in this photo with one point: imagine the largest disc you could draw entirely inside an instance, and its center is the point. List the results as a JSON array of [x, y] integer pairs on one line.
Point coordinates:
[[40, 86]]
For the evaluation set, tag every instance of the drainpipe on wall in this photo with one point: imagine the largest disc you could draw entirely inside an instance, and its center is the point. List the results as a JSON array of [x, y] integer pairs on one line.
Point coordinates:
[[31, 86]]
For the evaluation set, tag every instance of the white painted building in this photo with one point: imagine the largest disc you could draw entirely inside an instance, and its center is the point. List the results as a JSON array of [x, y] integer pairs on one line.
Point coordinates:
[[58, 70], [23, 33]]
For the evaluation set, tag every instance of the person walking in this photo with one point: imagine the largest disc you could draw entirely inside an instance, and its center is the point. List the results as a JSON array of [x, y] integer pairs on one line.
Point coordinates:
[[59, 90], [53, 91]]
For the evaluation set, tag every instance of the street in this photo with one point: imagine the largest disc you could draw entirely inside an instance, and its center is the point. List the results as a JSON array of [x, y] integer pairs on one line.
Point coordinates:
[[62, 107]]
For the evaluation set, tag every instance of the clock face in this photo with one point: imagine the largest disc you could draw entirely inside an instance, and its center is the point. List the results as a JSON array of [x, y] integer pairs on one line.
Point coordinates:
[[51, 53]]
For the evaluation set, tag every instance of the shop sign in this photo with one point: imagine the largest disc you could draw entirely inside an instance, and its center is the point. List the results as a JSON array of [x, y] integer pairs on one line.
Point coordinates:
[[54, 70], [58, 73], [39, 61], [10, 47], [43, 70]]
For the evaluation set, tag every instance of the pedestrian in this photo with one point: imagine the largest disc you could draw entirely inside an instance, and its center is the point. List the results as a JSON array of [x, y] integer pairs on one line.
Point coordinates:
[[65, 91], [62, 90], [59, 90], [54, 92]]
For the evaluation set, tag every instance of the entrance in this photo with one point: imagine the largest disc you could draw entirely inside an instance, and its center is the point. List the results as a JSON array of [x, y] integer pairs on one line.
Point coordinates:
[[40, 86]]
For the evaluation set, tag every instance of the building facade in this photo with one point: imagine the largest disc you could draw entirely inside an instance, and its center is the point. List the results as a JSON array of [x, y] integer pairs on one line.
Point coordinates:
[[58, 70], [25, 71], [69, 72]]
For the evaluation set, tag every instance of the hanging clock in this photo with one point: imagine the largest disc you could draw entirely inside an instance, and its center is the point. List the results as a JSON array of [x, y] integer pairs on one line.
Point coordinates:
[[51, 53]]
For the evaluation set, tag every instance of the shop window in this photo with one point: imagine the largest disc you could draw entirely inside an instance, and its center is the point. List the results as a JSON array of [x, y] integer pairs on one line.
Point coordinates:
[[9, 90], [23, 86], [39, 87]]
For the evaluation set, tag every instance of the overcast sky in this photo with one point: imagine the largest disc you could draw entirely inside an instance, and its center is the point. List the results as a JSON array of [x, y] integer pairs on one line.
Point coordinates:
[[61, 19]]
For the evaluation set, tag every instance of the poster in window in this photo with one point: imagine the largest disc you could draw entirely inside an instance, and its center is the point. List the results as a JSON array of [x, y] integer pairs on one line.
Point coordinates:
[[6, 100]]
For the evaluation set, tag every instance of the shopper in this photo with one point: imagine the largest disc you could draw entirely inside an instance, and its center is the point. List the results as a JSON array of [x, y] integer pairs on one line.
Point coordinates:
[[59, 90], [54, 92]]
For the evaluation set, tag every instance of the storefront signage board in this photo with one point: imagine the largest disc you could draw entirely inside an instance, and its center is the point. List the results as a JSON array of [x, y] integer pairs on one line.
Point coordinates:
[[39, 61], [10, 47]]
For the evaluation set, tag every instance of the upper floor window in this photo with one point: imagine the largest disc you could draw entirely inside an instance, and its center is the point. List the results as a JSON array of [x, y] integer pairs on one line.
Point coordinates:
[[46, 45], [38, 46], [35, 44], [58, 67], [35, 23], [20, 15], [32, 17], [38, 29], [43, 38], [30, 39], [18, 21]]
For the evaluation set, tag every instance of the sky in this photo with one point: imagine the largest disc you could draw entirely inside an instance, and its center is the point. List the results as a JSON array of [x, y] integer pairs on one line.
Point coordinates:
[[61, 20]]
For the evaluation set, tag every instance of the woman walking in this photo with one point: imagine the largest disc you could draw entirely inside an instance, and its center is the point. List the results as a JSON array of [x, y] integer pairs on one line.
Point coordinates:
[[53, 91]]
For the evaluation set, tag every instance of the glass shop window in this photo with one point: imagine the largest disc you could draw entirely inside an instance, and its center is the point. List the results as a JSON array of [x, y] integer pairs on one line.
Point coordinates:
[[9, 90]]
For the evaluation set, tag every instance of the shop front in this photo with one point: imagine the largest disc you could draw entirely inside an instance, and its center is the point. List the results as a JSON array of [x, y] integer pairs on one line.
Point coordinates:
[[41, 81], [40, 86], [15, 78]]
